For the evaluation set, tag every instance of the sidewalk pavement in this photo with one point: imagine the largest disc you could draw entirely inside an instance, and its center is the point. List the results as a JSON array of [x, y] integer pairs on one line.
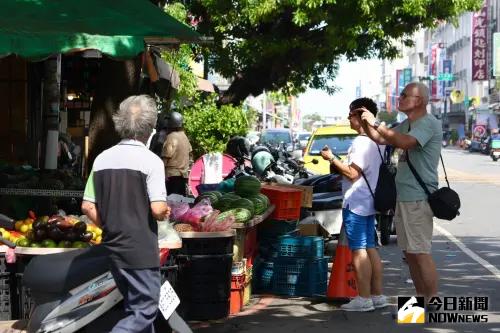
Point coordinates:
[[459, 276]]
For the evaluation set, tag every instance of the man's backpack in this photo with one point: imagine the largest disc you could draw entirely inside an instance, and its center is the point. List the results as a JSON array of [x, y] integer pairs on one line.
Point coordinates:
[[384, 198]]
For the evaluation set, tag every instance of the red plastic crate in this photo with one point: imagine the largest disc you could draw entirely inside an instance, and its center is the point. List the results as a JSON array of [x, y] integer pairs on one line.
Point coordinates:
[[287, 201]]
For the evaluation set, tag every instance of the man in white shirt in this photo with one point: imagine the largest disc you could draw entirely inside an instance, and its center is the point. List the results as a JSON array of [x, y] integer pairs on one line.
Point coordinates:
[[358, 213]]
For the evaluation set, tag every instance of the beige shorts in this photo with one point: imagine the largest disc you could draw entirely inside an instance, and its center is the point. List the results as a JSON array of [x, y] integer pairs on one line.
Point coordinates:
[[413, 221]]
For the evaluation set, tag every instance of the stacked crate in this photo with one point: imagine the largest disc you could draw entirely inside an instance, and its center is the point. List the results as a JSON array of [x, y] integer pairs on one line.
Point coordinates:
[[289, 264], [296, 267]]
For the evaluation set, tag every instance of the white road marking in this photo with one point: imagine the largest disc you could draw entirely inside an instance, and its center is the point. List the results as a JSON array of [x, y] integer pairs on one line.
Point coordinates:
[[495, 271]]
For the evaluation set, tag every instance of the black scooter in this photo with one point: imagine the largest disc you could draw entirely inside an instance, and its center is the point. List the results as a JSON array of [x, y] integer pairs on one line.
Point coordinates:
[[75, 291]]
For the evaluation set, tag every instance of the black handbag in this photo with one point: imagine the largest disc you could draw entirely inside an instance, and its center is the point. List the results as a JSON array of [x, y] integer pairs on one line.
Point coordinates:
[[444, 202]]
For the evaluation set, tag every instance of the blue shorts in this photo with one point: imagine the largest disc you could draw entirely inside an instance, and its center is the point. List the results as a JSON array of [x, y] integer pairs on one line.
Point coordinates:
[[360, 230]]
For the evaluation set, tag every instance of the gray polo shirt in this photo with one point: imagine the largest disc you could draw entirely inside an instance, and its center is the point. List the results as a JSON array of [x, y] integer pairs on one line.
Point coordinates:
[[424, 158], [125, 179]]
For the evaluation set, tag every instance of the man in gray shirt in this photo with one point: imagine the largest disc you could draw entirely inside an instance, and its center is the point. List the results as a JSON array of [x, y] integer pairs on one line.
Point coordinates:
[[420, 136]]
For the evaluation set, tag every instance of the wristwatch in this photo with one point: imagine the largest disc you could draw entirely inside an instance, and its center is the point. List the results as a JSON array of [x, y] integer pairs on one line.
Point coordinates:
[[332, 159], [377, 123]]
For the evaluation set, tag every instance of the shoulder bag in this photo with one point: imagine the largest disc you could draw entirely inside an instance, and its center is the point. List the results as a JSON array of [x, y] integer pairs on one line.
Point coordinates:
[[444, 202]]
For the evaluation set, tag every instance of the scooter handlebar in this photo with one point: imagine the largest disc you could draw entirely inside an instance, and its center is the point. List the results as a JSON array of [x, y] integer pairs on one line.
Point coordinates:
[[7, 242], [6, 222]]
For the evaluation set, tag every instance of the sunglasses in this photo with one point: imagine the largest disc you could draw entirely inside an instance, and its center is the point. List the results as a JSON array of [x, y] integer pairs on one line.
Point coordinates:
[[405, 95]]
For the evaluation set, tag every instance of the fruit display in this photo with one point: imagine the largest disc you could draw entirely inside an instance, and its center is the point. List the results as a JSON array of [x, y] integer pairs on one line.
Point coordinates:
[[53, 232], [244, 203]]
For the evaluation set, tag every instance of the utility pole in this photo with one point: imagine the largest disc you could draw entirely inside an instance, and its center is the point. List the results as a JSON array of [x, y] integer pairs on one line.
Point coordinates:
[[264, 110]]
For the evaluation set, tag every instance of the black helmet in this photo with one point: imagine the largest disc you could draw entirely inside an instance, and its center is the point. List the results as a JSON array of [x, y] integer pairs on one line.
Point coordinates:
[[162, 121], [174, 120], [238, 147]]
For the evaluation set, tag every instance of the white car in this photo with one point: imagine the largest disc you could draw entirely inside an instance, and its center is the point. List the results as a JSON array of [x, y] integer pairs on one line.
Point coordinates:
[[302, 138]]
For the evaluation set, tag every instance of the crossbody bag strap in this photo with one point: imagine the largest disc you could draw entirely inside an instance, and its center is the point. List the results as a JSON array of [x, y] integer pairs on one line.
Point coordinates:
[[444, 169], [369, 187], [417, 176], [413, 171], [363, 174]]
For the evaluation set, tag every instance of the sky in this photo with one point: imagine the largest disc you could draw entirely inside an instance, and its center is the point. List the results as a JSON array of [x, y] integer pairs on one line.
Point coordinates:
[[349, 76]]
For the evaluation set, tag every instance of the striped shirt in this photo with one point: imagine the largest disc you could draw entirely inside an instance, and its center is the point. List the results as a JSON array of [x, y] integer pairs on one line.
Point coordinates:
[[125, 179]]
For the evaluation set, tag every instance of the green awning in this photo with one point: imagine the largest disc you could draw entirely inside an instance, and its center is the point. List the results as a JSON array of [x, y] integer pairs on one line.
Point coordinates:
[[39, 28]]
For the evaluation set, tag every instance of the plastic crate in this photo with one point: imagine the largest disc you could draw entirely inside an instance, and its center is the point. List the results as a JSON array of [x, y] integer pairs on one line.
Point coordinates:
[[300, 277], [5, 304], [247, 291], [208, 310], [287, 201], [263, 276], [237, 290], [208, 246], [301, 246], [204, 278], [25, 302]]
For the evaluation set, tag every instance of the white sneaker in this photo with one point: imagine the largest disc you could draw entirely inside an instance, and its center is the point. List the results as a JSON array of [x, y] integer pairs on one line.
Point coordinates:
[[359, 304], [379, 301]]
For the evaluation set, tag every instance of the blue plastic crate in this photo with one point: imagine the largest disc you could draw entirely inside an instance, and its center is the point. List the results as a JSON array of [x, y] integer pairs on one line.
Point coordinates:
[[301, 246], [263, 276], [300, 277]]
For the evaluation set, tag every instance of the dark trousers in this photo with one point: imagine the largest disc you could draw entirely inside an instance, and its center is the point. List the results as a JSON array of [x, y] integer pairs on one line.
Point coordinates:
[[177, 185], [141, 293]]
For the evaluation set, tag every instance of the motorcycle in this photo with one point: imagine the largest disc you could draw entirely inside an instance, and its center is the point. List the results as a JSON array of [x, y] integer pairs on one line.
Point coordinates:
[[75, 291], [495, 148]]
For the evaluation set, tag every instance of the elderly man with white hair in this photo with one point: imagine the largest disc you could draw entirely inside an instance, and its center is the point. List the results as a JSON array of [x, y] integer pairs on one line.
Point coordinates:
[[420, 137], [125, 195]]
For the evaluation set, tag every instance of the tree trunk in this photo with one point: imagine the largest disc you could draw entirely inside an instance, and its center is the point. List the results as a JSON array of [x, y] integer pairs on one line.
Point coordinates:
[[117, 80]]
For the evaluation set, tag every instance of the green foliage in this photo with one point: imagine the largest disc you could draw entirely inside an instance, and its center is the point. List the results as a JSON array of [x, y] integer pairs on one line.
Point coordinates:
[[388, 117], [294, 44], [209, 127], [181, 58], [309, 119], [252, 116]]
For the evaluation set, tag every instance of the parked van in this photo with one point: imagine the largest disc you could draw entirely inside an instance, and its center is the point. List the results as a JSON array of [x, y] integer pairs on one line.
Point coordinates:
[[338, 137]]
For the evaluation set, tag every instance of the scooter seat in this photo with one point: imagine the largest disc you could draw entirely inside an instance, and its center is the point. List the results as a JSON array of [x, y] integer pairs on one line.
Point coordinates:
[[61, 272], [326, 201]]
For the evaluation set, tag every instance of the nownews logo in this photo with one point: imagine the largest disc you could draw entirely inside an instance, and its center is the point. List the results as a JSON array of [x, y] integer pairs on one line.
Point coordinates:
[[442, 310], [411, 310]]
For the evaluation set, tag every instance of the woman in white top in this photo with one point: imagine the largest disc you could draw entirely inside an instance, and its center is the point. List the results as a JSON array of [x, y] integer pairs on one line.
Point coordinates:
[[358, 212]]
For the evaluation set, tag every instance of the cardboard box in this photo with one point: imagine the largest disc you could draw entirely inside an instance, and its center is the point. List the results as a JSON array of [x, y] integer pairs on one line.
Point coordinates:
[[308, 229]]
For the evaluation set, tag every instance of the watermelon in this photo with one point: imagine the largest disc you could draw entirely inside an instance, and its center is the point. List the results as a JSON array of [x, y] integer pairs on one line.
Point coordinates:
[[224, 204], [241, 215], [230, 195], [259, 204], [214, 198], [244, 203], [247, 186], [216, 193], [265, 198], [224, 215]]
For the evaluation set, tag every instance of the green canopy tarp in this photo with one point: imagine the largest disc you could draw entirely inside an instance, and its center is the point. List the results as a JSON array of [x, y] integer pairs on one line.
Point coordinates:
[[39, 28]]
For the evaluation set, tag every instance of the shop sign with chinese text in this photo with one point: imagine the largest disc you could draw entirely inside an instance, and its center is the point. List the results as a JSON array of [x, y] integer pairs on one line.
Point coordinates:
[[480, 44]]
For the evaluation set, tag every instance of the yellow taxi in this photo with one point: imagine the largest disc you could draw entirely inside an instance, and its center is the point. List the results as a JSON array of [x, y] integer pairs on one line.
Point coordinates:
[[337, 137]]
